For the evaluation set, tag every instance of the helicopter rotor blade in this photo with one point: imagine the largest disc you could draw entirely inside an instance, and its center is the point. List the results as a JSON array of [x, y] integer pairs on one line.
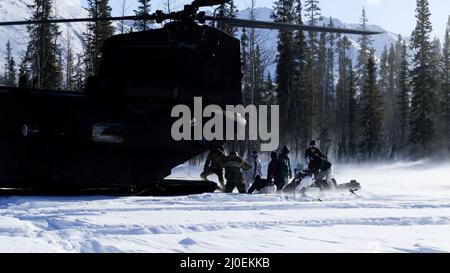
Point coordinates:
[[207, 3], [78, 20], [159, 16], [287, 27]]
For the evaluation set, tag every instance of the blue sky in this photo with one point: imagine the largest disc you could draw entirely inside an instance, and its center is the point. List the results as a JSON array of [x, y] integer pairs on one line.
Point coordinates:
[[393, 15]]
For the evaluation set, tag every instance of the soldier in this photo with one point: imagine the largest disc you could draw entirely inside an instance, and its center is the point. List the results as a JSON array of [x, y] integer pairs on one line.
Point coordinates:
[[286, 171], [214, 165], [233, 165], [319, 165], [255, 171]]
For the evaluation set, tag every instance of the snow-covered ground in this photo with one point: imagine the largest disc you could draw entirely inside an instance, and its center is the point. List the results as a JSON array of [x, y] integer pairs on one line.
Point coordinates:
[[405, 207]]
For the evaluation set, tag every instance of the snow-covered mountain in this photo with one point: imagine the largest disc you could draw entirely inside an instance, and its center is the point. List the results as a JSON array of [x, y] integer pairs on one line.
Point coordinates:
[[11, 10], [269, 37], [15, 10]]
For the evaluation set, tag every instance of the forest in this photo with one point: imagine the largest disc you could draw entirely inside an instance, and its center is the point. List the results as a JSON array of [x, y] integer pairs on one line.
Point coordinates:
[[393, 107]]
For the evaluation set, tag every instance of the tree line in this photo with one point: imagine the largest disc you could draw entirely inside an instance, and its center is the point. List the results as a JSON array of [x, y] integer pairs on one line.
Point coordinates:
[[46, 65], [394, 107]]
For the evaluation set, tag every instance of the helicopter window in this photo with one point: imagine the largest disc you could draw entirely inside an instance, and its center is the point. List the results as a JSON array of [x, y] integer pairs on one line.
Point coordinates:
[[107, 133]]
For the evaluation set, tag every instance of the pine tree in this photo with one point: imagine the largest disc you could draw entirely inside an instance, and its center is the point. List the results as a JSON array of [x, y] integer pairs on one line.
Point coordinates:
[[445, 88], [371, 113], [284, 13], [301, 96], [351, 126], [330, 93], [70, 68], [330, 88], [97, 33], [436, 60], [10, 67], [142, 10], [390, 104], [79, 74], [269, 96], [254, 62], [312, 13], [422, 122], [60, 84], [365, 43], [43, 51], [343, 47], [404, 94], [24, 73], [259, 69], [383, 82], [321, 101], [246, 77], [227, 10]]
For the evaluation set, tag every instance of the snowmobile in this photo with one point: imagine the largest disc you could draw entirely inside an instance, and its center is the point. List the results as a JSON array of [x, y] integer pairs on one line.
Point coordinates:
[[304, 180]]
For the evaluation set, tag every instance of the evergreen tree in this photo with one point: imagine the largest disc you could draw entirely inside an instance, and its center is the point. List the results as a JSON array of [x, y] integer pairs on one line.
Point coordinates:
[[383, 82], [404, 94], [70, 68], [365, 42], [79, 74], [244, 49], [436, 60], [142, 10], [284, 12], [351, 125], [254, 62], [312, 11], [422, 122], [269, 96], [227, 10], [97, 33], [246, 78], [60, 67], [301, 96], [10, 67], [330, 93], [390, 104], [258, 78], [43, 51], [312, 14], [24, 73], [445, 88], [322, 99], [342, 107], [371, 113]]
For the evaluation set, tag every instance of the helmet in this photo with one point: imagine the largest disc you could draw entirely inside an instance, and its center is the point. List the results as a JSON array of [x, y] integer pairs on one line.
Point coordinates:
[[274, 155]]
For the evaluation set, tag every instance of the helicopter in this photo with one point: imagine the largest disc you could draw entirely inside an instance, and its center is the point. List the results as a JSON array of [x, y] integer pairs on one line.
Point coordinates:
[[114, 136]]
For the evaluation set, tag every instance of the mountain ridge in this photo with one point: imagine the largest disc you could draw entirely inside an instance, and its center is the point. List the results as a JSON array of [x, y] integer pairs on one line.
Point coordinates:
[[17, 10]]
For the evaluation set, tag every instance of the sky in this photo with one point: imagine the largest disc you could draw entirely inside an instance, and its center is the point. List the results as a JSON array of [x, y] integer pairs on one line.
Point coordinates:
[[393, 15]]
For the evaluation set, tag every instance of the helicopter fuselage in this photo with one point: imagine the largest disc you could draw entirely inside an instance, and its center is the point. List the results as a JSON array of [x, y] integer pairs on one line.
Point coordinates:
[[118, 130]]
